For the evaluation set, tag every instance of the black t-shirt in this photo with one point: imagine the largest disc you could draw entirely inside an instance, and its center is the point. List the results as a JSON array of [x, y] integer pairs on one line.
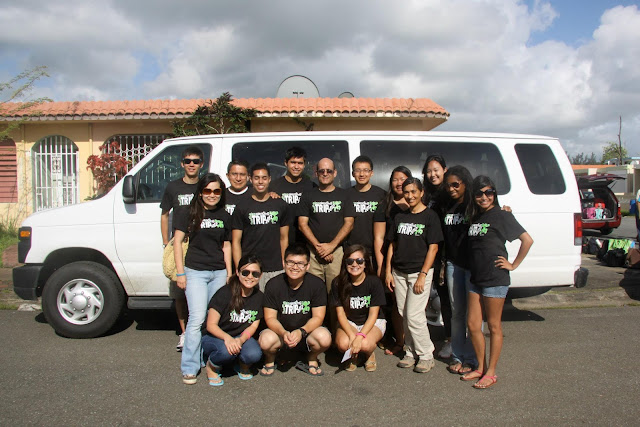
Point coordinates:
[[369, 293], [294, 306], [326, 212], [292, 195], [413, 233], [368, 208], [487, 237], [205, 245], [232, 199], [231, 322], [455, 227], [177, 196], [260, 223]]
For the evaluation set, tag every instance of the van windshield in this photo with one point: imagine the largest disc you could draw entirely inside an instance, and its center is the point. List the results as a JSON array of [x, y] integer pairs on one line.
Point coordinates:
[[479, 158]]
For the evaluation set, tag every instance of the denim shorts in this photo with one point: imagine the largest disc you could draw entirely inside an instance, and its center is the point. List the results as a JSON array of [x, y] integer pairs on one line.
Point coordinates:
[[489, 291]]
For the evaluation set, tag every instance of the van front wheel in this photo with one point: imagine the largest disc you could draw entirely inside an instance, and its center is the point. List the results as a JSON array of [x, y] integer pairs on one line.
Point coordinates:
[[82, 300]]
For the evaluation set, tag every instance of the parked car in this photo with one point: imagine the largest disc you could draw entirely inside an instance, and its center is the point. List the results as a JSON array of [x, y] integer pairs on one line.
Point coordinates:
[[600, 206]]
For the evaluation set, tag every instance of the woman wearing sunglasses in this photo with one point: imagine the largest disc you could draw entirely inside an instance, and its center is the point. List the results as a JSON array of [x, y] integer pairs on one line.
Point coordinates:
[[207, 264], [415, 236], [357, 293], [489, 230], [234, 315], [457, 210]]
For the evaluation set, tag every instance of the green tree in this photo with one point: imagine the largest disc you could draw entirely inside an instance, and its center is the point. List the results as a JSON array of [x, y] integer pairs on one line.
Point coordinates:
[[584, 159], [219, 116], [14, 99], [613, 151]]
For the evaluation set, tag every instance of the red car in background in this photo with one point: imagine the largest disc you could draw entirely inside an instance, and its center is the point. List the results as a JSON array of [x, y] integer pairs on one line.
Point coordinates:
[[600, 206]]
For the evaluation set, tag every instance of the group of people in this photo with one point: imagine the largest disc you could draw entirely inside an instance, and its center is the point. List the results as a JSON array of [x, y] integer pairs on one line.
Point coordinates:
[[291, 265]]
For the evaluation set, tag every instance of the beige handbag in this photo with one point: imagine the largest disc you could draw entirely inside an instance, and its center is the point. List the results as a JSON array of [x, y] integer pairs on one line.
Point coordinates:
[[169, 261]]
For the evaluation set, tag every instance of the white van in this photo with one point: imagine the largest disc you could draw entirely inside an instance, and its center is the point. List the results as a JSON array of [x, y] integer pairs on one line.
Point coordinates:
[[87, 260]]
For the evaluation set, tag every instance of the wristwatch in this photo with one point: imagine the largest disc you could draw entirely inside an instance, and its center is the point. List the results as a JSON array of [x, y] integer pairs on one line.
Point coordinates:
[[304, 333]]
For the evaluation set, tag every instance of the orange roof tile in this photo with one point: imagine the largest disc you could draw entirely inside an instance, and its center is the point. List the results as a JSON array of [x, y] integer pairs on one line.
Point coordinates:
[[267, 107]]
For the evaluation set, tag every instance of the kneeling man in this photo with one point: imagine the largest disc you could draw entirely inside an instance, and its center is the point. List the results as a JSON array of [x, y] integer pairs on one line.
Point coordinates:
[[295, 304]]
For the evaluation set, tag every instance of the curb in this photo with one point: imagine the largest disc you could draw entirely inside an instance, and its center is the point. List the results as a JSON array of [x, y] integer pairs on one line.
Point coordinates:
[[608, 297]]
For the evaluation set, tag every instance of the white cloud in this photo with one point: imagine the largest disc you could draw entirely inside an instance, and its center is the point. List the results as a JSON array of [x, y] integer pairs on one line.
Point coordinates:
[[475, 58]]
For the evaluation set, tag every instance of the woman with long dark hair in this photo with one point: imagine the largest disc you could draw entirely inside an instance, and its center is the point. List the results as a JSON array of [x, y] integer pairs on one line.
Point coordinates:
[[395, 203], [455, 226], [234, 315], [435, 197], [415, 236], [489, 230], [357, 294], [207, 264]]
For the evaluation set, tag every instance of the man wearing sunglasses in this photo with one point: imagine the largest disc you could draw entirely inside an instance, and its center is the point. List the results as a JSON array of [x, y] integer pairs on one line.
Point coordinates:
[[326, 219], [177, 197], [369, 225], [295, 304], [260, 225]]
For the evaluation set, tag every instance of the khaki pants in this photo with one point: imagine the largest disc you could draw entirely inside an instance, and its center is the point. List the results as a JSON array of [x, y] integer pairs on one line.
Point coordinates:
[[327, 271], [411, 307]]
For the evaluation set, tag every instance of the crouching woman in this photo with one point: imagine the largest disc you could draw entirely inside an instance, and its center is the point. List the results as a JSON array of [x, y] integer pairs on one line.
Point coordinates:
[[234, 315]]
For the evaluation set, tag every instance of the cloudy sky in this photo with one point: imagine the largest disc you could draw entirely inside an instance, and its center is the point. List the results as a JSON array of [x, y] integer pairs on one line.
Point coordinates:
[[563, 68]]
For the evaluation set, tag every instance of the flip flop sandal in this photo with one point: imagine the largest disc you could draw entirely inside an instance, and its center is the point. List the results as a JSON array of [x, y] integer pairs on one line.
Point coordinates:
[[242, 375], [470, 376], [215, 382], [393, 351], [452, 368], [466, 368], [350, 366], [370, 365], [270, 370], [494, 380], [306, 368]]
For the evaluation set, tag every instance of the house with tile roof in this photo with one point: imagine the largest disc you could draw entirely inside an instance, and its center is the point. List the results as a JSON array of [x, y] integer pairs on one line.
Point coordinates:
[[44, 163]]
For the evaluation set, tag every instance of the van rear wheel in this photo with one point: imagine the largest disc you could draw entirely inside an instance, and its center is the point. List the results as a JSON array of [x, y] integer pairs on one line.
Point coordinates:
[[82, 300], [606, 231]]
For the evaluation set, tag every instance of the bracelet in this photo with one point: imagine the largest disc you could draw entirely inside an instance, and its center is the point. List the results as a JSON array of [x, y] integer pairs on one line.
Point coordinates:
[[361, 334], [426, 273], [181, 274]]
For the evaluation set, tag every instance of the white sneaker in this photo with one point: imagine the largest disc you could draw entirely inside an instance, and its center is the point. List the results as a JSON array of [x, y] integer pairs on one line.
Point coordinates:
[[445, 352], [180, 342]]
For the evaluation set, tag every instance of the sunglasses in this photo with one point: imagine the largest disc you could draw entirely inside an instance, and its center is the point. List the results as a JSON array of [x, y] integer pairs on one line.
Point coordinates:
[[189, 161], [454, 184], [208, 191], [255, 274], [489, 193], [350, 261], [325, 171]]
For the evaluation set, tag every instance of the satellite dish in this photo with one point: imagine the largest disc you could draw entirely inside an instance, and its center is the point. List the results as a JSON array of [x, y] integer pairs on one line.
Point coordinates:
[[346, 95], [297, 87]]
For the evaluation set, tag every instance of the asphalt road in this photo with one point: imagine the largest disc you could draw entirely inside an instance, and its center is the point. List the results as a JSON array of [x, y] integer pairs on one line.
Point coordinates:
[[627, 230], [558, 367]]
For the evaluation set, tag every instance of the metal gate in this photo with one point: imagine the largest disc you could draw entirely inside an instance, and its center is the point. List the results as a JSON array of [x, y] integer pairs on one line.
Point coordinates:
[[55, 172]]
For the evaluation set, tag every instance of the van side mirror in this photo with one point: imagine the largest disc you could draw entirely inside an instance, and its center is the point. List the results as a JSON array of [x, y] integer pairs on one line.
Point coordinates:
[[128, 190]]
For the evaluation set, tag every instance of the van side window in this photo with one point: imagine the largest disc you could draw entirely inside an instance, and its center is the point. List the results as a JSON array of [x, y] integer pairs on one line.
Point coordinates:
[[479, 158], [164, 168], [272, 153], [541, 169]]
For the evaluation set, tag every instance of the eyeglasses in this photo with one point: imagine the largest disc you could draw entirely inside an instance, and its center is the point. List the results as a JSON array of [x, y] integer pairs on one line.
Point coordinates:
[[325, 171], [350, 261], [361, 171], [298, 264], [455, 184], [189, 161], [255, 274], [489, 193], [209, 191]]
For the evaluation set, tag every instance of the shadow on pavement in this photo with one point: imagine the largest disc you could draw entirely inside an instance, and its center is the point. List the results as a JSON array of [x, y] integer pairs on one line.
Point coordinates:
[[631, 283], [513, 314]]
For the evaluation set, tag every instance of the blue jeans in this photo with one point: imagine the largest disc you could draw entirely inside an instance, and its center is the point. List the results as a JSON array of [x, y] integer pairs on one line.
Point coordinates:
[[458, 283], [201, 285], [216, 352]]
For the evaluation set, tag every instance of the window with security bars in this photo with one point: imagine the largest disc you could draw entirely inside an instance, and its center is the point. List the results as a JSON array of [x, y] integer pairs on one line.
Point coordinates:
[[8, 172], [134, 147], [55, 172]]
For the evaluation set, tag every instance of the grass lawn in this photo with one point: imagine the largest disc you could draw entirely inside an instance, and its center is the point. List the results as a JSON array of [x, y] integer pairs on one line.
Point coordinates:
[[8, 237]]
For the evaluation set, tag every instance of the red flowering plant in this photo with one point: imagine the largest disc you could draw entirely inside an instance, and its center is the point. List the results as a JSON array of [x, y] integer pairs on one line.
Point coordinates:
[[107, 168]]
